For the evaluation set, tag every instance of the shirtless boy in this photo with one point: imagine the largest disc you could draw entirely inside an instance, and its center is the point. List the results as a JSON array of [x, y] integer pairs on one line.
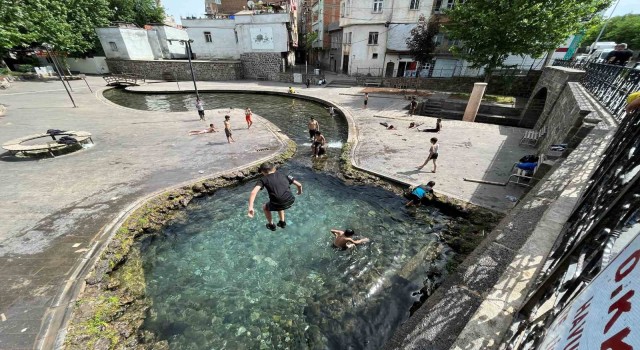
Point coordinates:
[[343, 239], [313, 127], [280, 197], [318, 142], [247, 117], [227, 129]]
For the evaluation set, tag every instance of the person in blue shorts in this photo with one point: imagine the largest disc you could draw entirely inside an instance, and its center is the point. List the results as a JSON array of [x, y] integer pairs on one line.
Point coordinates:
[[419, 193]]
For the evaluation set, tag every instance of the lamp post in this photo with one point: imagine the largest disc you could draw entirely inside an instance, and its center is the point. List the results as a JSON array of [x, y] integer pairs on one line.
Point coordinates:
[[189, 53], [47, 47]]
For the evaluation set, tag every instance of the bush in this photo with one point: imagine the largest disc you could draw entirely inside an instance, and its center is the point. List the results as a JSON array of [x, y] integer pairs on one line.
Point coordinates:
[[25, 68]]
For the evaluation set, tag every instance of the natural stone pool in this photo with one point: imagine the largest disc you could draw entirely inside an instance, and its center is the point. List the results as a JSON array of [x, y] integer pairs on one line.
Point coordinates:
[[219, 280]]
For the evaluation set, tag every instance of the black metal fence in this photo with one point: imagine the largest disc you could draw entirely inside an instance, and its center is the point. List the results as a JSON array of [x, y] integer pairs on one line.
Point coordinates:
[[609, 208], [610, 84]]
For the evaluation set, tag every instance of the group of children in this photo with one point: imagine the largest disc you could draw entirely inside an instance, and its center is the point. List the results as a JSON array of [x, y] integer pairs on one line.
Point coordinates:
[[227, 122], [278, 188]]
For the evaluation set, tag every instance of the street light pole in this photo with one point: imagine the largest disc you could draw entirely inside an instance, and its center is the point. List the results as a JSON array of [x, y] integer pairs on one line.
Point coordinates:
[[46, 47], [193, 76]]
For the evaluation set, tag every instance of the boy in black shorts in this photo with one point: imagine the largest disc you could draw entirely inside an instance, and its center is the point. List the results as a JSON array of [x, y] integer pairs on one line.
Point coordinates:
[[280, 196]]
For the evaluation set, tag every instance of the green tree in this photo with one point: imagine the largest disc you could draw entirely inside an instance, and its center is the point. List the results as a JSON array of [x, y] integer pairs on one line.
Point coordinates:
[[491, 30], [140, 12], [621, 29], [421, 43]]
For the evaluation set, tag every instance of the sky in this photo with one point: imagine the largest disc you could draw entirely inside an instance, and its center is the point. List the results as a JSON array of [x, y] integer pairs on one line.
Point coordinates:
[[183, 8]]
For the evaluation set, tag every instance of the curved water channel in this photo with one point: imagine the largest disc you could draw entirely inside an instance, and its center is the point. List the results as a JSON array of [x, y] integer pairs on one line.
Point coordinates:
[[218, 280]]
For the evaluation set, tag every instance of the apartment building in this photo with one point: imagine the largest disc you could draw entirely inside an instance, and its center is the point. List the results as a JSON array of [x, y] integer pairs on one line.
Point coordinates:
[[324, 14], [375, 33]]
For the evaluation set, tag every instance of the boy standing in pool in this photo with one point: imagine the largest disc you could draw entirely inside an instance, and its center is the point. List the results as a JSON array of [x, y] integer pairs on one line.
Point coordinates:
[[280, 196], [227, 129], [313, 126]]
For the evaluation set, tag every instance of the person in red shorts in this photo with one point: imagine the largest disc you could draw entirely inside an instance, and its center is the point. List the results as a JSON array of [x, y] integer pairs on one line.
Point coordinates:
[[247, 117]]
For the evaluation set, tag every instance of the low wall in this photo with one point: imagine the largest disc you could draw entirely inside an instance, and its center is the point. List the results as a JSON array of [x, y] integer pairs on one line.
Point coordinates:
[[573, 116], [521, 86], [160, 69]]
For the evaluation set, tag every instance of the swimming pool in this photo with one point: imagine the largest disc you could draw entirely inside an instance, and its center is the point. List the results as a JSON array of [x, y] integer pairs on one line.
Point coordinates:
[[219, 280]]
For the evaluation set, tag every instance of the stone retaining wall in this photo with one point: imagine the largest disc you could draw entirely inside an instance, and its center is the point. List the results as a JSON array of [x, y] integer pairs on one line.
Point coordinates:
[[172, 69], [261, 64]]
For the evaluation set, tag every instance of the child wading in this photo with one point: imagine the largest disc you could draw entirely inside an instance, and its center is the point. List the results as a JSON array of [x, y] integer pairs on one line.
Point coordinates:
[[419, 193], [280, 196]]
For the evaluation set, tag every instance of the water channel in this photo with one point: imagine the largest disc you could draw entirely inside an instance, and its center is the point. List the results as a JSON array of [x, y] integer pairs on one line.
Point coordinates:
[[218, 280]]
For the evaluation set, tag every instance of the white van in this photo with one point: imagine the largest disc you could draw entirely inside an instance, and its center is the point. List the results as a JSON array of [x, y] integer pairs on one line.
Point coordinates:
[[599, 56]]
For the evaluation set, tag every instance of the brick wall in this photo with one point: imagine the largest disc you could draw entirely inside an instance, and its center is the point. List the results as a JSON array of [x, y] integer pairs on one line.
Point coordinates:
[[162, 69], [263, 64]]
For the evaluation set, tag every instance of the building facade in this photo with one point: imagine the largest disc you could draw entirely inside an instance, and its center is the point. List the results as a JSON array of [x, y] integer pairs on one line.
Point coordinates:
[[375, 34], [246, 32], [324, 13], [154, 42]]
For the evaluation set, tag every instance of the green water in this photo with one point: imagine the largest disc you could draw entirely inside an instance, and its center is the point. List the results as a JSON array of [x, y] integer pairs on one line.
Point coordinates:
[[219, 280]]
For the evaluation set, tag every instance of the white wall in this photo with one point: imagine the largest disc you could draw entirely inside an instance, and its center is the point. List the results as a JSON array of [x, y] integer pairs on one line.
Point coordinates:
[[360, 52], [172, 49], [93, 65], [137, 42], [154, 44], [225, 32], [107, 35]]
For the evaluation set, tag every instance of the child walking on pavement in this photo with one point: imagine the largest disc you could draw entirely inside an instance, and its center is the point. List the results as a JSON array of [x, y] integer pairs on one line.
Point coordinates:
[[200, 107], [433, 154], [280, 196]]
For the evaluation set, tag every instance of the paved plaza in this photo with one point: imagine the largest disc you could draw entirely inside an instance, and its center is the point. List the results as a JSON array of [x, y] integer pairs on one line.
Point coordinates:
[[53, 211]]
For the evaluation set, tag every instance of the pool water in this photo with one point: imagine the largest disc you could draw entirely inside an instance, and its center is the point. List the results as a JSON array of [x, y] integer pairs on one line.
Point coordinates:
[[220, 280]]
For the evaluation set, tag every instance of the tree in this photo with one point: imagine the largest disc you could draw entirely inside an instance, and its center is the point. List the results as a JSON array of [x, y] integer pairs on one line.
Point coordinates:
[[69, 25], [491, 30], [621, 29], [421, 43], [140, 12]]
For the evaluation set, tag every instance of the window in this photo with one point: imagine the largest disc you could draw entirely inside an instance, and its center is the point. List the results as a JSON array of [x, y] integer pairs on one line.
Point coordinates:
[[373, 38], [347, 38], [113, 45], [348, 7], [374, 56], [377, 5], [343, 10], [415, 4], [207, 37]]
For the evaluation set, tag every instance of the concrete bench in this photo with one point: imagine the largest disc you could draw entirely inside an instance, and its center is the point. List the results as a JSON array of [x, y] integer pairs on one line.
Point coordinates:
[[15, 146], [372, 83]]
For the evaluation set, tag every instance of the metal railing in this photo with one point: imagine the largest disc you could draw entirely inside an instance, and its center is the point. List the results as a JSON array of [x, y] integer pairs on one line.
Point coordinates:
[[609, 84], [609, 208]]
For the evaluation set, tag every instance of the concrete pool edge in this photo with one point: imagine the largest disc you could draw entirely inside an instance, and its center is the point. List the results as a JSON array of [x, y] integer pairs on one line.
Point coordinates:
[[57, 320]]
